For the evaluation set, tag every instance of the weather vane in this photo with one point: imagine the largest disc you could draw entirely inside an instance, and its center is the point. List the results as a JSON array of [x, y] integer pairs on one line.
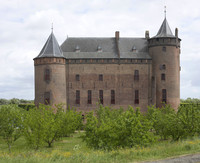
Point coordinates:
[[52, 27], [165, 11]]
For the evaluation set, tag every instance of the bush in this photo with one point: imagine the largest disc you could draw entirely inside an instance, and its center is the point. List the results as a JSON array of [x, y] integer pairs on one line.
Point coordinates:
[[111, 129]]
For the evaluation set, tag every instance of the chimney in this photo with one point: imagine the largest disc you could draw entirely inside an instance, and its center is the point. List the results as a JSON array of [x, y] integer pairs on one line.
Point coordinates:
[[147, 34], [176, 32], [117, 35]]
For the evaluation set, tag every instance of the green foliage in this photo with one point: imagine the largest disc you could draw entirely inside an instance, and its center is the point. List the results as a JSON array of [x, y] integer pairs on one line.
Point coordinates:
[[46, 124], [191, 101], [115, 128], [10, 123], [71, 121], [15, 101], [26, 106]]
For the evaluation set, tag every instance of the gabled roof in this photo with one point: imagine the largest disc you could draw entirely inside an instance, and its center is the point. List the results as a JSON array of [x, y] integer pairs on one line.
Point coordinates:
[[51, 48], [164, 30]]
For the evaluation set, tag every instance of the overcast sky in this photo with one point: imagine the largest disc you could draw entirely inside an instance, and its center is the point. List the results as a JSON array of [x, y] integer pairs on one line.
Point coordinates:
[[26, 24]]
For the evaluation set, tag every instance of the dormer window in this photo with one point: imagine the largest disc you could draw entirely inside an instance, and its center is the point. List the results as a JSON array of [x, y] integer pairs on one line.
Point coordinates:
[[99, 49], [77, 49], [133, 49]]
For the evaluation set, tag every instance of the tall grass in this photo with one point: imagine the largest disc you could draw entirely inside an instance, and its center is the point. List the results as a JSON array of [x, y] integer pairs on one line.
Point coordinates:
[[72, 149]]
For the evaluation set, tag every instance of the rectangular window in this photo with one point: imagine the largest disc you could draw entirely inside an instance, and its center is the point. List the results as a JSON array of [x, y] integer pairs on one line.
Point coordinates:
[[89, 97], [101, 96], [163, 77], [100, 77], [164, 96], [47, 75], [136, 96], [47, 98], [136, 75], [77, 97], [112, 96], [77, 77]]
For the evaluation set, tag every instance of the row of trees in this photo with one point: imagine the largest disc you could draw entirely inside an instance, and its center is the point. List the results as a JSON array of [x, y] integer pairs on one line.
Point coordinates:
[[106, 128], [14, 101], [39, 126], [110, 129]]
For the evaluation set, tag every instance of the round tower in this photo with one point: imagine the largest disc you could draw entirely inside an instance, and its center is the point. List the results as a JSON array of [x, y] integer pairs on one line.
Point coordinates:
[[164, 48], [50, 74]]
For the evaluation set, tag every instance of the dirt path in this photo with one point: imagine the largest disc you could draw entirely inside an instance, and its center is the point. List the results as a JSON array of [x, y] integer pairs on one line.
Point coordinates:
[[193, 158]]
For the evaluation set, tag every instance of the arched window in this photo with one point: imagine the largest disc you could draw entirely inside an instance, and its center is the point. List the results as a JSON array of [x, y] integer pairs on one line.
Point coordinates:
[[112, 96], [136, 75]]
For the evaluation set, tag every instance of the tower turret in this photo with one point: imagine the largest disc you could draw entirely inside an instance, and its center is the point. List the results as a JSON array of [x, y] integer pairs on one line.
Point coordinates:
[[50, 75], [164, 48]]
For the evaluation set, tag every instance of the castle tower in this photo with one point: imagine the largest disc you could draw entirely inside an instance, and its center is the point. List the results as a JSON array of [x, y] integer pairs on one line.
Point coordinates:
[[50, 74], [164, 48]]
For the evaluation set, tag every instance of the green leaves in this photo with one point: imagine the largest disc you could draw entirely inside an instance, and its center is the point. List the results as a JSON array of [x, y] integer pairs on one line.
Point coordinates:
[[115, 128], [10, 123]]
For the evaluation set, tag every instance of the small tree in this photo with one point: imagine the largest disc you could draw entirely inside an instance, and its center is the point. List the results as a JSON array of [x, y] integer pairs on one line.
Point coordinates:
[[10, 123]]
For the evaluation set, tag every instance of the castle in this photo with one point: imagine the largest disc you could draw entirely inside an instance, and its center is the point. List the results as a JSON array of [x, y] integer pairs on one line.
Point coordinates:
[[114, 71]]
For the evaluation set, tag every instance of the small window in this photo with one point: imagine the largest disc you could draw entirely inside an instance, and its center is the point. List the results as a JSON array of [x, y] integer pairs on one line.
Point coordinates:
[[77, 77], [47, 75], [112, 96], [100, 77], [163, 77], [47, 98], [136, 96], [89, 97], [136, 75], [77, 96], [164, 49], [101, 96], [164, 96]]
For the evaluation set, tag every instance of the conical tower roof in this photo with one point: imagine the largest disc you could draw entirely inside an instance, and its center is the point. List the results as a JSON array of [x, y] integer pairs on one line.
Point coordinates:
[[164, 30], [51, 48]]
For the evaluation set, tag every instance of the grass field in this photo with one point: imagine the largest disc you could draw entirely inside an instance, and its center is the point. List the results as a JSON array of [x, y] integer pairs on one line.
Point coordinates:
[[72, 149]]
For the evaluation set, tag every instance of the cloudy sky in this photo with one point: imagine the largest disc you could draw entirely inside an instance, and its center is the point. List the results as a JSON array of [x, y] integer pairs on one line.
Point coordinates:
[[26, 24]]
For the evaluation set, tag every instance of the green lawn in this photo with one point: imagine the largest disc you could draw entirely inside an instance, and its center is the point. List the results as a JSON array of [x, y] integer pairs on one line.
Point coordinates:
[[72, 149]]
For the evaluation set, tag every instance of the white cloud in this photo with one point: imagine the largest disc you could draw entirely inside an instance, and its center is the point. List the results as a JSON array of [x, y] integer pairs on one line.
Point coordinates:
[[25, 26]]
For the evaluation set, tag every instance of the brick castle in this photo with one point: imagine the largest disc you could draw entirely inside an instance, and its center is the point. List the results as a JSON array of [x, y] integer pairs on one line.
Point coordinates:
[[114, 71]]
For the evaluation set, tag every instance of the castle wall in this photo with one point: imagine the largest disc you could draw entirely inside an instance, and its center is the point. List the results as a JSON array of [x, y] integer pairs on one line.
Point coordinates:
[[118, 77]]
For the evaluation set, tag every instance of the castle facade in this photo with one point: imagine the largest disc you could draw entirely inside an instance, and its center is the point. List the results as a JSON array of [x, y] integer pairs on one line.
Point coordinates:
[[114, 71]]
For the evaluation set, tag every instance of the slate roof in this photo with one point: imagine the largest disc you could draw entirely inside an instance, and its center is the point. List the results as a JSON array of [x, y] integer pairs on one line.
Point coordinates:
[[51, 48], [88, 48], [164, 30]]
